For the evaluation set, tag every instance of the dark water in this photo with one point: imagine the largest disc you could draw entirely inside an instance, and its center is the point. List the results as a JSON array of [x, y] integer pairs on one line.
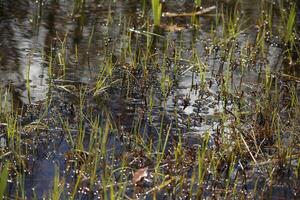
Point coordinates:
[[33, 30], [30, 29]]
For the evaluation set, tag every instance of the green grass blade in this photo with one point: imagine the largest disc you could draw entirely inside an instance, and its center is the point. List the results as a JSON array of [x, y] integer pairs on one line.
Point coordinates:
[[3, 180]]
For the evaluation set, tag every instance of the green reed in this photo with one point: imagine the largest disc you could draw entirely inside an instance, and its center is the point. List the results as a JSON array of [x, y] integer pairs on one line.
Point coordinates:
[[3, 179], [156, 11]]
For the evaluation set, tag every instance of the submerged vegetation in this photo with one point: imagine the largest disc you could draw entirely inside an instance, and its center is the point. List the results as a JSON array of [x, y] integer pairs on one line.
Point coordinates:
[[136, 101]]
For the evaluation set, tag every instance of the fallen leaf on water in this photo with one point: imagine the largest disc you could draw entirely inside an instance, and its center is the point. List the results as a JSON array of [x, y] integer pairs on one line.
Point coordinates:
[[139, 175], [172, 28]]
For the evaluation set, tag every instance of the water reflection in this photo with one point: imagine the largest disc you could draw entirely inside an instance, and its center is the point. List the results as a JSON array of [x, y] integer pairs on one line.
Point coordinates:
[[21, 52]]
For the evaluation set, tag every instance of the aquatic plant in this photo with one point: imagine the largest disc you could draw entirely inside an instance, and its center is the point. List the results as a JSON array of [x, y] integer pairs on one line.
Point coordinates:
[[289, 20], [198, 3], [156, 11], [58, 185], [3, 179]]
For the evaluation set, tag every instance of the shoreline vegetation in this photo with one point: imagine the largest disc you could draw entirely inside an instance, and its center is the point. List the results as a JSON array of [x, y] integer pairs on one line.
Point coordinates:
[[111, 99]]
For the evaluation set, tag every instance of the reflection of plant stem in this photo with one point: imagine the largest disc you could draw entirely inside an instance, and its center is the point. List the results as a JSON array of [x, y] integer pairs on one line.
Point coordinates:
[[28, 80], [62, 54]]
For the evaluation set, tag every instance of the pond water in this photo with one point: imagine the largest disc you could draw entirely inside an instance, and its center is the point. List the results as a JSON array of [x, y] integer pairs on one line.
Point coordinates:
[[48, 48]]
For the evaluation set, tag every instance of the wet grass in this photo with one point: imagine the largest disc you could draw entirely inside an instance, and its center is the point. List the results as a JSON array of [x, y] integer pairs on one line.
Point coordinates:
[[156, 10], [129, 134]]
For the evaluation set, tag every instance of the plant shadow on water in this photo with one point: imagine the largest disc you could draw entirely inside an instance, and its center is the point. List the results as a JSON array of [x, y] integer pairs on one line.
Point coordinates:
[[114, 99]]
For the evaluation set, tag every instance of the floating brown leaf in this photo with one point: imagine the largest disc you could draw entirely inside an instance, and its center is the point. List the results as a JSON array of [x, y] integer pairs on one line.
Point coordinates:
[[172, 28], [139, 175]]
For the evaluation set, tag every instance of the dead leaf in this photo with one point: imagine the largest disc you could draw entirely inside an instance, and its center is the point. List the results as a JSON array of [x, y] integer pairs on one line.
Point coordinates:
[[172, 28], [139, 175]]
